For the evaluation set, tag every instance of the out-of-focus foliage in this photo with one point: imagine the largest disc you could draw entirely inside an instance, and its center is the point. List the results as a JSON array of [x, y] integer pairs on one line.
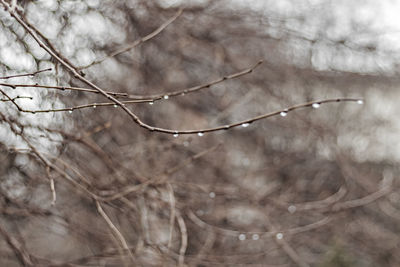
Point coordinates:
[[317, 187]]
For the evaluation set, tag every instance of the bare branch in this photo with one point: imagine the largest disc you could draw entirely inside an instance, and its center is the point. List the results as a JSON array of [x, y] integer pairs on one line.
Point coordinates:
[[137, 42], [115, 230], [25, 74], [184, 238]]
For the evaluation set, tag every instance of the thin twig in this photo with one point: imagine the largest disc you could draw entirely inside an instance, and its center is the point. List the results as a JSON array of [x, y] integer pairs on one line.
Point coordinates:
[[319, 204], [281, 241], [70, 109], [21, 253], [157, 179], [62, 88], [115, 230], [184, 239], [144, 220], [172, 214], [17, 97], [25, 74], [292, 231], [350, 204], [292, 253], [47, 41], [137, 42], [52, 187], [145, 98], [182, 92]]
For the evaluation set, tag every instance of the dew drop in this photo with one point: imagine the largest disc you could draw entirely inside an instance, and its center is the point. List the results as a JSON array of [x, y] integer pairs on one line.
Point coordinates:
[[176, 135], [316, 105], [151, 103], [292, 209], [212, 195], [246, 124], [242, 237], [166, 97], [115, 105], [279, 236], [200, 134], [255, 237], [360, 102], [94, 106], [70, 111], [283, 113]]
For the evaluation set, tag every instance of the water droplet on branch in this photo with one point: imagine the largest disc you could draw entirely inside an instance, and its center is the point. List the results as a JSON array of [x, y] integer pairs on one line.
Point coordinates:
[[242, 237], [292, 209], [200, 134], [316, 105], [166, 97], [246, 124], [360, 102], [283, 113]]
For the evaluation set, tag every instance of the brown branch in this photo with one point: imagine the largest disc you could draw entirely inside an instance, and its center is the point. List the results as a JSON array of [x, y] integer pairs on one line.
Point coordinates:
[[115, 230], [292, 231], [144, 98], [25, 74], [62, 88], [172, 214], [47, 41], [17, 97], [161, 178], [52, 187], [198, 87], [184, 239], [355, 203], [21, 253], [293, 255], [137, 42], [134, 117], [45, 161], [318, 204], [201, 132]]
